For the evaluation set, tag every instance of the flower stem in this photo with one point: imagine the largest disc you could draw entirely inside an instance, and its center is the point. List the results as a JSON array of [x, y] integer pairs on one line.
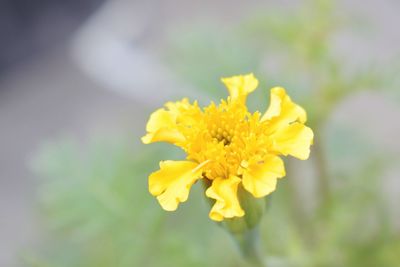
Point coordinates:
[[249, 245]]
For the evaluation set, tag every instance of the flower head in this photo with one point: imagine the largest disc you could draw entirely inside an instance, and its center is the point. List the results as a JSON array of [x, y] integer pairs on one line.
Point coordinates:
[[228, 146]]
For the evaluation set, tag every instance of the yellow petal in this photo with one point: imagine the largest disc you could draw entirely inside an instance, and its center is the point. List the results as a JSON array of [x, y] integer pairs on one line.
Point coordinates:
[[227, 205], [164, 125], [282, 110], [171, 184], [240, 86], [260, 178], [294, 139]]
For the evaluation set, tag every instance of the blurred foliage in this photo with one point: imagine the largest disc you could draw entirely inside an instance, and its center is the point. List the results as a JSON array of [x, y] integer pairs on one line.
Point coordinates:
[[210, 57], [100, 213], [329, 211], [291, 48]]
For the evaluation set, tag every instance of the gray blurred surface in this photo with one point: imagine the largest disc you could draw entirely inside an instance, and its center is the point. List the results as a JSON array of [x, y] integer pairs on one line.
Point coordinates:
[[29, 27], [42, 100]]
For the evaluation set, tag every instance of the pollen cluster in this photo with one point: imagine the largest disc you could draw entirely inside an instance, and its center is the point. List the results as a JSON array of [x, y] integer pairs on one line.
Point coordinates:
[[220, 139], [221, 134], [222, 122]]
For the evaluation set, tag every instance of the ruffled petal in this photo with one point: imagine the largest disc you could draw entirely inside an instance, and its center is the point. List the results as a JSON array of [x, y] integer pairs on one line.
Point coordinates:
[[227, 205], [168, 125], [260, 178], [240, 86], [162, 127], [282, 110], [171, 184], [294, 140]]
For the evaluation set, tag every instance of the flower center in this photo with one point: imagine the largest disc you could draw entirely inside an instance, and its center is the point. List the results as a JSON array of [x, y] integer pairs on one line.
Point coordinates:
[[222, 134]]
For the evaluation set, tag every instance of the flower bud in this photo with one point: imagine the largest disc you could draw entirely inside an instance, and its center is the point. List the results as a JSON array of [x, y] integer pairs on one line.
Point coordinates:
[[254, 209]]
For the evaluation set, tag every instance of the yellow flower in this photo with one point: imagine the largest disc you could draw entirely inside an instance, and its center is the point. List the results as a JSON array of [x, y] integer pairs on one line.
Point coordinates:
[[228, 146]]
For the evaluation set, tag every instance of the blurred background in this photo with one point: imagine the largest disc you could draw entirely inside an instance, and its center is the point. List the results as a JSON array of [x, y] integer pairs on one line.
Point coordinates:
[[79, 78]]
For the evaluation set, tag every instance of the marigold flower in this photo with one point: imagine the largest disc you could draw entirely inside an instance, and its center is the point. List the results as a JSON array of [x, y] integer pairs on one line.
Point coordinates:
[[228, 146]]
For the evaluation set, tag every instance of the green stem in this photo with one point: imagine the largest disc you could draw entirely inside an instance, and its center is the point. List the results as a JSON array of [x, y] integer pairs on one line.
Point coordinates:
[[249, 246]]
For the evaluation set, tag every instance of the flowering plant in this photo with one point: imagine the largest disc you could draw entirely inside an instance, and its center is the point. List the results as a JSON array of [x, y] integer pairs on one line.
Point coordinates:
[[227, 146]]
